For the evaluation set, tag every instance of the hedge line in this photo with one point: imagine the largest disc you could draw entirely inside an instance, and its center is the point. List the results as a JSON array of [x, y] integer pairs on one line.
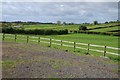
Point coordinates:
[[35, 31], [91, 32]]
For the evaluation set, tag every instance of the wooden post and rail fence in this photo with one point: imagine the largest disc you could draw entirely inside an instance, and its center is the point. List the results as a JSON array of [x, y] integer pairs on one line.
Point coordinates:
[[61, 43]]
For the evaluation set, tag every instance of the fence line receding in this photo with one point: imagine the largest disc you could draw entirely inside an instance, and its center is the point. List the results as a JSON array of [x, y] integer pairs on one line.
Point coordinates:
[[74, 45]]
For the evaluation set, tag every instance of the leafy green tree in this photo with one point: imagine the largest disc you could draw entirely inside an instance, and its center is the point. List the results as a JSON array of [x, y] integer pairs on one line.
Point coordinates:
[[58, 22], [95, 22], [64, 23], [82, 28]]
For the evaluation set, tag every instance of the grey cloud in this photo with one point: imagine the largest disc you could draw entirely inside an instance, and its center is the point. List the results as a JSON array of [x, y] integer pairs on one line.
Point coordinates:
[[65, 11]]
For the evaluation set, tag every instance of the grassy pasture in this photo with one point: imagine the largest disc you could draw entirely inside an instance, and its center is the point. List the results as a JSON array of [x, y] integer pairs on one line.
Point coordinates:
[[52, 26], [102, 40], [72, 27], [89, 38], [80, 38], [106, 29], [102, 25]]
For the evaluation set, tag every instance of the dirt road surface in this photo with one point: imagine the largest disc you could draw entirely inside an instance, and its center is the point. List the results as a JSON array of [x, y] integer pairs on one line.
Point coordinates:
[[21, 60]]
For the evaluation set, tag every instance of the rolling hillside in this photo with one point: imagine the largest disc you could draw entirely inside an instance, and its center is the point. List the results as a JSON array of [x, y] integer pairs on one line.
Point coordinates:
[[110, 27]]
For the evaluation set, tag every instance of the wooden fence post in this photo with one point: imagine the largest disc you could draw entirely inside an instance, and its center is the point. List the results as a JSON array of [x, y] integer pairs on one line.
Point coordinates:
[[88, 48], [3, 36], [61, 44], [74, 46], [104, 51], [38, 40], [15, 37], [50, 42], [27, 38]]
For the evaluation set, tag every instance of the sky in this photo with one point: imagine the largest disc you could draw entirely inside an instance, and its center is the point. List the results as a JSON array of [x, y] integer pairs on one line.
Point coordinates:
[[76, 12]]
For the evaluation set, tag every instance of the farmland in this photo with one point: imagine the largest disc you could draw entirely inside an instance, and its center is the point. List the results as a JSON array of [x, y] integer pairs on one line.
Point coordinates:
[[74, 27], [40, 29], [85, 38], [102, 40], [33, 39], [52, 26], [80, 37], [54, 54], [107, 29], [60, 40]]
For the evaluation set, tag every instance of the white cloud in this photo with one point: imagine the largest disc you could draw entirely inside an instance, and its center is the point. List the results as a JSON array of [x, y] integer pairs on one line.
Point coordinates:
[[65, 11], [59, 0]]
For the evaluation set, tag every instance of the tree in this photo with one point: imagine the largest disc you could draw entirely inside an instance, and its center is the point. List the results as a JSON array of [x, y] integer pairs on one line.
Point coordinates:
[[6, 24], [95, 22], [58, 22], [117, 21], [71, 23], [64, 23], [82, 28], [106, 22]]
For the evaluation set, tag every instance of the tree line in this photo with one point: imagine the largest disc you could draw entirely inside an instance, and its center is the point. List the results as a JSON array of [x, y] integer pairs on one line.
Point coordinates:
[[12, 30]]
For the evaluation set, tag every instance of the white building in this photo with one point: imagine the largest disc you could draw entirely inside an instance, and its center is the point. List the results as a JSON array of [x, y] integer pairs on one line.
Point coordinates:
[[17, 26]]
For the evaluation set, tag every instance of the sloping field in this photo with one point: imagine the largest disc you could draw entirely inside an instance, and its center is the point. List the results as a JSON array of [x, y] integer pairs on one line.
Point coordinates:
[[66, 42], [106, 29], [34, 61], [52, 26], [103, 27], [91, 38]]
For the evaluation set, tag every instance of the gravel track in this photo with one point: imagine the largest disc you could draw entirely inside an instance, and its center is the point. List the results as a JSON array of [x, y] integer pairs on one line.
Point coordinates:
[[36, 61]]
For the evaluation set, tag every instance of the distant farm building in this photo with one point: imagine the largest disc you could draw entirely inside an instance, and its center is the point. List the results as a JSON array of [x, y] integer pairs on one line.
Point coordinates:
[[17, 26]]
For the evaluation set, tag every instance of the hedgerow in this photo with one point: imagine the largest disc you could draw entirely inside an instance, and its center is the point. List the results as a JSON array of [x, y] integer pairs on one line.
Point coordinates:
[[11, 30]]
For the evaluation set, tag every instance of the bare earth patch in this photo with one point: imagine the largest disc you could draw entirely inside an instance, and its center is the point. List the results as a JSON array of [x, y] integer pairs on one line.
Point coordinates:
[[34, 61]]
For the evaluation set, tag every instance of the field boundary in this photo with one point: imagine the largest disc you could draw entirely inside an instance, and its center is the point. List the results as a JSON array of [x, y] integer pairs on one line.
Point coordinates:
[[65, 43]]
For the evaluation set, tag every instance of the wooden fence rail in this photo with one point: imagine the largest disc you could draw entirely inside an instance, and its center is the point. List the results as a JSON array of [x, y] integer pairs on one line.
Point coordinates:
[[70, 44]]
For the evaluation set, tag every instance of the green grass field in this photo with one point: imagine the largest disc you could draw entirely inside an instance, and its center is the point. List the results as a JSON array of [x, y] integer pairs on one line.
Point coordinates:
[[72, 27], [52, 26], [78, 38], [88, 38], [95, 39], [106, 29]]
